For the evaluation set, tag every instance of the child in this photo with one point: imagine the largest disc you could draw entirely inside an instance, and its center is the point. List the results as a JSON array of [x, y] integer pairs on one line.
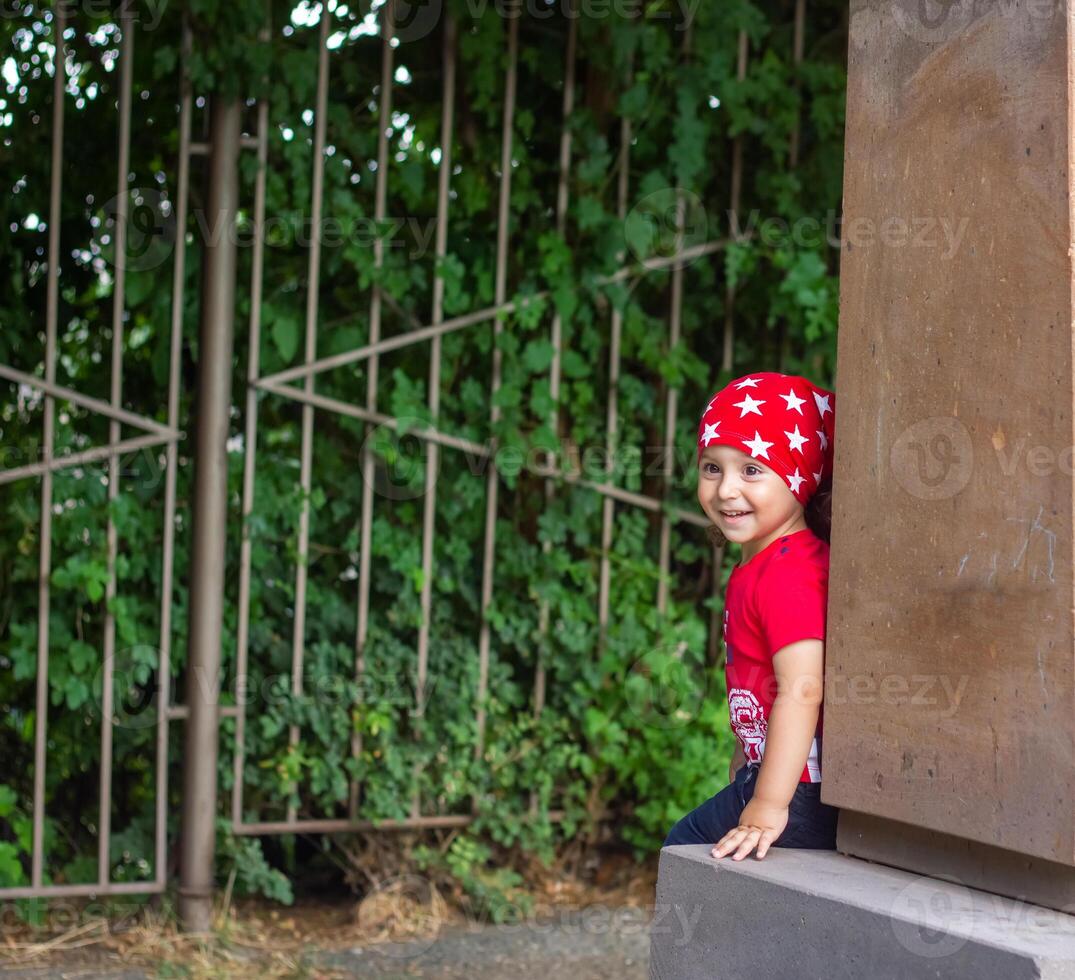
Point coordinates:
[[765, 451]]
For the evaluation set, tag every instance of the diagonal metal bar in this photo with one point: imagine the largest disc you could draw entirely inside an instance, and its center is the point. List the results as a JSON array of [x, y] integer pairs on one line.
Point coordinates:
[[497, 309], [60, 393], [107, 451]]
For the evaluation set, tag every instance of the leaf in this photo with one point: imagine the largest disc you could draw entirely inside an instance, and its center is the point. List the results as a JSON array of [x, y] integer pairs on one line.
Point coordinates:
[[285, 335], [537, 356]]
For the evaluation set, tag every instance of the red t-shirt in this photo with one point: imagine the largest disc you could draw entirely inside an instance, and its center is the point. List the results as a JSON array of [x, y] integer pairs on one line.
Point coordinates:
[[776, 598]]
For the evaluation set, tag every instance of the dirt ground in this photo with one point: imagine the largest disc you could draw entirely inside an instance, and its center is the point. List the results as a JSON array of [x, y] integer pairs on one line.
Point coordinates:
[[587, 926]]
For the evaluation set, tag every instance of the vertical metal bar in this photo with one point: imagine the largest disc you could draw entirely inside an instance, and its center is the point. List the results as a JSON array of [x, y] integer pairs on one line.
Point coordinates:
[[429, 502], [164, 668], [253, 366], [612, 423], [568, 106], [793, 150], [313, 285], [59, 76], [118, 302], [733, 213], [500, 291], [672, 398], [798, 45], [217, 320], [379, 207]]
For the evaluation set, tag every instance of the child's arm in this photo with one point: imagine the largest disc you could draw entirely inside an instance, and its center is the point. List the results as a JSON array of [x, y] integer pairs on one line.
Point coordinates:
[[791, 728]]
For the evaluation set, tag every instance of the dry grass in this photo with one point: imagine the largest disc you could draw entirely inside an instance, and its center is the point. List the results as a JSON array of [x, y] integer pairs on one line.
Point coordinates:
[[254, 938]]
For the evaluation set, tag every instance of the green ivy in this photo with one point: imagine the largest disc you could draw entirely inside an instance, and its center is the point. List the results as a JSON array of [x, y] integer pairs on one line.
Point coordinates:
[[637, 726]]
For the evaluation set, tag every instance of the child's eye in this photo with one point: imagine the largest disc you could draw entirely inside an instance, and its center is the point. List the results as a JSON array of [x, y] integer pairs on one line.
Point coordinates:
[[753, 468]]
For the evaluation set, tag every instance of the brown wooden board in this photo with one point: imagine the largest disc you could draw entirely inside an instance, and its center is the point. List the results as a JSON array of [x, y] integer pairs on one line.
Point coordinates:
[[949, 686]]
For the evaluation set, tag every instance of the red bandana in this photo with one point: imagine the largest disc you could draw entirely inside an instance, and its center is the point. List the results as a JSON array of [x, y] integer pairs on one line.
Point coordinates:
[[781, 419]]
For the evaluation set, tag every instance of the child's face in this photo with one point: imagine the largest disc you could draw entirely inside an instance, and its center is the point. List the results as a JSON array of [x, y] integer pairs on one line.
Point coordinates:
[[731, 480]]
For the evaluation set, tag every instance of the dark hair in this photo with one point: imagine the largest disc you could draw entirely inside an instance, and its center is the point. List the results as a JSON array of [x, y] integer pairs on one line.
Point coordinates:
[[818, 515]]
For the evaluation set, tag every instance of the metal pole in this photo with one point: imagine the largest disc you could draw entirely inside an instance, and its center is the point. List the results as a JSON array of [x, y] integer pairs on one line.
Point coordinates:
[[210, 524]]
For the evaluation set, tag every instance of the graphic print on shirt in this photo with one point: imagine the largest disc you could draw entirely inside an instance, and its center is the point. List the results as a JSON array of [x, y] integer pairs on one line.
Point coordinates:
[[748, 722]]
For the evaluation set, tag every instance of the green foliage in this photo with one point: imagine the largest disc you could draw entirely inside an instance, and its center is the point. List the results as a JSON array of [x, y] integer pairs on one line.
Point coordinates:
[[636, 726]]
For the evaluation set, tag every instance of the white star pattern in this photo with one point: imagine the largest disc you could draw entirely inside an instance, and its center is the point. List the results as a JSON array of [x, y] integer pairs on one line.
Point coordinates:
[[794, 401], [749, 405], [795, 480], [710, 432], [817, 477], [822, 403], [824, 439], [796, 439], [758, 446], [747, 383]]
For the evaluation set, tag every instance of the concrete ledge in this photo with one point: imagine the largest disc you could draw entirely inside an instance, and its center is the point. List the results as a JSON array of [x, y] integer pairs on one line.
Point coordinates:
[[822, 914]]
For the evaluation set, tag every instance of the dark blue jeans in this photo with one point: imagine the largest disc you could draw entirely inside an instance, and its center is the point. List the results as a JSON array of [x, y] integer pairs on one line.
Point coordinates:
[[811, 823]]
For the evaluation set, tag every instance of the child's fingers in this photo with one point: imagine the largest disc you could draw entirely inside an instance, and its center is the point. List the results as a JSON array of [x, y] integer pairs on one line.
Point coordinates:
[[767, 839], [748, 844], [728, 842]]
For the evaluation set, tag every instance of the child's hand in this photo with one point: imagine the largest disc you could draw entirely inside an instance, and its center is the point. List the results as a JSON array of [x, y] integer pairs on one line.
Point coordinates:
[[760, 824]]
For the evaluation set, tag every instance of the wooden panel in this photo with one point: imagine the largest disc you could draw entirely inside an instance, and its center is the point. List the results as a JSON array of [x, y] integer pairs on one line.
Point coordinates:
[[949, 682]]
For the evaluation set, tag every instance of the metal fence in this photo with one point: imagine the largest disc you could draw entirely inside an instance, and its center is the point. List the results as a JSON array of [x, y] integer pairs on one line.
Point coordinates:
[[298, 384]]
